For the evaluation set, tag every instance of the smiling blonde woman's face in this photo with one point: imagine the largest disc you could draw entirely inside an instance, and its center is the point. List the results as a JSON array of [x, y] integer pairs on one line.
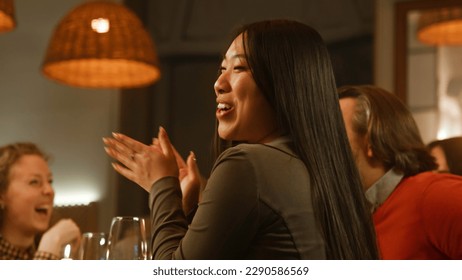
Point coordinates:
[[28, 200]]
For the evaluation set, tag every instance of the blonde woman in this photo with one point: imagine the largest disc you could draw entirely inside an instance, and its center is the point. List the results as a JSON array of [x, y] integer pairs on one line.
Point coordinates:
[[26, 206]]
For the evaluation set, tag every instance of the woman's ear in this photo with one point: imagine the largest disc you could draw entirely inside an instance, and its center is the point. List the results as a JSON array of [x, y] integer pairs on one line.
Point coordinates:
[[370, 153]]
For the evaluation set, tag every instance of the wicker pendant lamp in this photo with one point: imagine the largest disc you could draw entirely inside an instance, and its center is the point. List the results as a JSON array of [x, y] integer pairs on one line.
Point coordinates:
[[441, 26], [101, 44], [7, 18]]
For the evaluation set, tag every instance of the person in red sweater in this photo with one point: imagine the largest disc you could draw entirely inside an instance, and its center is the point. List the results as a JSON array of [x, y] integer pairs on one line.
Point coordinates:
[[417, 213]]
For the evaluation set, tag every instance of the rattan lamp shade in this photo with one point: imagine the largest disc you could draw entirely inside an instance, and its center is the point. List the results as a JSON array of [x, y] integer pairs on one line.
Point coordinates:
[[7, 18], [122, 57], [441, 26]]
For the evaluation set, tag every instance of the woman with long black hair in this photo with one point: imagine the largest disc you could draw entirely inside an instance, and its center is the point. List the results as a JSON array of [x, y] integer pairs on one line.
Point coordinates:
[[284, 184]]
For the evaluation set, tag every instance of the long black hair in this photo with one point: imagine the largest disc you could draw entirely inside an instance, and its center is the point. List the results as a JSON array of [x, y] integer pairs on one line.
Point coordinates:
[[291, 65]]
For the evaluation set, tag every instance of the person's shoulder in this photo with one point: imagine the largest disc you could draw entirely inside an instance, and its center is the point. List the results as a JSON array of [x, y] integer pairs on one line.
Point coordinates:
[[440, 177], [256, 150], [441, 196], [426, 182], [252, 148], [244, 148], [437, 184], [430, 177], [241, 151]]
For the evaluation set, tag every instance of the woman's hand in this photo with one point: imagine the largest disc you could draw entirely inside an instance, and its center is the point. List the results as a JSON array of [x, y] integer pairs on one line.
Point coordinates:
[[141, 163], [192, 183], [63, 232]]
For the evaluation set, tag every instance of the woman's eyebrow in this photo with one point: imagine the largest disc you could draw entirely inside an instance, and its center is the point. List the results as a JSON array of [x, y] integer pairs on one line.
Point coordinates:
[[234, 56]]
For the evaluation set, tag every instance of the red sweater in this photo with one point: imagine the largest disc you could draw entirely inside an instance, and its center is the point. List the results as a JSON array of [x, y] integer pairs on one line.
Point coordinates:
[[422, 218]]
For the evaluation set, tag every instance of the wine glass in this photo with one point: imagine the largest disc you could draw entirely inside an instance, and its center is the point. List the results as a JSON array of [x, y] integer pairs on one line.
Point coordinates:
[[93, 246], [127, 239]]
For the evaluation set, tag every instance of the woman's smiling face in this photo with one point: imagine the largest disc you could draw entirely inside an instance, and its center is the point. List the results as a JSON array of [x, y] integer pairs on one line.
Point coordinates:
[[243, 112], [29, 196]]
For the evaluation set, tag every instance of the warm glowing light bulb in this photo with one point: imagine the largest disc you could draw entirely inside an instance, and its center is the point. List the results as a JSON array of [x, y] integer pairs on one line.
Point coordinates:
[[100, 25]]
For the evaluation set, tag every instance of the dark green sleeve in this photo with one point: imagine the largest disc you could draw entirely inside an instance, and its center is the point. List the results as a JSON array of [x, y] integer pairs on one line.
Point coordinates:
[[225, 221], [168, 223]]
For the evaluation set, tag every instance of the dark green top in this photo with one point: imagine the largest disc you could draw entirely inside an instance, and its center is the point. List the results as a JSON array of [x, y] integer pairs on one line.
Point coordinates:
[[256, 205]]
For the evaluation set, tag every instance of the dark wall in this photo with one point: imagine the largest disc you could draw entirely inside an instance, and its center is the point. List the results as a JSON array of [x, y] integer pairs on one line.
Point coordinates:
[[352, 60]]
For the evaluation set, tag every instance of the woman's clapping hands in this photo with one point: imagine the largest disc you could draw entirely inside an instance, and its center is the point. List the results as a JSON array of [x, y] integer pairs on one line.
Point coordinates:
[[145, 164]]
